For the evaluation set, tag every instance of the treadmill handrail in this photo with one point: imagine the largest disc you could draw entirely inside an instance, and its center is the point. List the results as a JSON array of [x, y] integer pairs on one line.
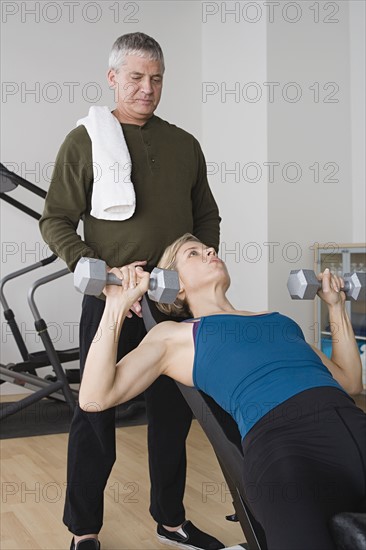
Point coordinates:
[[19, 180], [39, 282], [20, 206], [20, 272]]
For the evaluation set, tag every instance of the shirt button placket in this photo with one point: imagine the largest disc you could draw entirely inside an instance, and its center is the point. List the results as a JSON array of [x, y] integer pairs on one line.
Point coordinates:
[[147, 143]]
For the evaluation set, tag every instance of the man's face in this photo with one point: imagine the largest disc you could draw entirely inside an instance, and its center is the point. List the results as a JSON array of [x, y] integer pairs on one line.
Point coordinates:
[[138, 86]]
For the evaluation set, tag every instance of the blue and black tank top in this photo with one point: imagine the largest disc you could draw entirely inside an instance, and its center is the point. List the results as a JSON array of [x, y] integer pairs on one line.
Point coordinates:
[[251, 364]]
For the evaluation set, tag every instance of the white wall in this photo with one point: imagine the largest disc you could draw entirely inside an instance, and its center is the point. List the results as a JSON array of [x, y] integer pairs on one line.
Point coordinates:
[[358, 117], [235, 134], [203, 43], [314, 129]]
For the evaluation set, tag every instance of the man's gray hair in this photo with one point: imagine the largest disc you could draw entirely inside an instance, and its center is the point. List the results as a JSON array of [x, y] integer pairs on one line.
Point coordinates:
[[136, 43]]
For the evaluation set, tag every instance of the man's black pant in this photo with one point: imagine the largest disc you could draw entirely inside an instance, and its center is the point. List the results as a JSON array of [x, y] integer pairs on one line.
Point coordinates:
[[92, 447]]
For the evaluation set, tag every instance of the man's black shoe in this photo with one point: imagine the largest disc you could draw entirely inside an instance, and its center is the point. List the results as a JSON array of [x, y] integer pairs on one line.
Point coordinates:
[[188, 536], [85, 544]]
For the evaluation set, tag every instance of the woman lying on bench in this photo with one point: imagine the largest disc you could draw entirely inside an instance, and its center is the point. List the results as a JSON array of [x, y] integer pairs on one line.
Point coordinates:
[[304, 440]]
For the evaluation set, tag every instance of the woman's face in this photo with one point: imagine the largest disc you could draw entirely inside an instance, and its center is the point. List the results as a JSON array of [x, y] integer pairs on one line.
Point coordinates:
[[198, 264]]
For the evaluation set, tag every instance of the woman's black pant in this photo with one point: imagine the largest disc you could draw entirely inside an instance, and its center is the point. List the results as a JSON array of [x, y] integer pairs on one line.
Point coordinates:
[[304, 462], [92, 446]]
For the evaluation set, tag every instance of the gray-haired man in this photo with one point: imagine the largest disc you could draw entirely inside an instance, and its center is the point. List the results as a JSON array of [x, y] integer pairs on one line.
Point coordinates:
[[172, 198]]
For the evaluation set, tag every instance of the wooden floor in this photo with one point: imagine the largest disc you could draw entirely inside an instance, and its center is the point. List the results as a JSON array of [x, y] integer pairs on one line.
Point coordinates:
[[33, 475]]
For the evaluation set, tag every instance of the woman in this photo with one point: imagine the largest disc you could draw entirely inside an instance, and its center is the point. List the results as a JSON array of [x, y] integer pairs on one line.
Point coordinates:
[[303, 437]]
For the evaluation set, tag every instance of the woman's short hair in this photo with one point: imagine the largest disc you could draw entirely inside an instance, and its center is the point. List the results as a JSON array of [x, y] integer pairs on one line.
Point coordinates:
[[179, 308], [135, 43]]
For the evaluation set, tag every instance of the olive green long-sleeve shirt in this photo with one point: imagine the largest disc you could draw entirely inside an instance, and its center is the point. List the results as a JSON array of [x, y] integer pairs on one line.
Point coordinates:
[[172, 197]]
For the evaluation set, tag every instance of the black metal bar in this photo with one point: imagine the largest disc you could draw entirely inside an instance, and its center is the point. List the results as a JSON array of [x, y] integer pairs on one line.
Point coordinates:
[[13, 408], [37, 284], [31, 364], [25, 270], [18, 180], [9, 316], [20, 206], [31, 187], [57, 367], [31, 382], [49, 260], [21, 378]]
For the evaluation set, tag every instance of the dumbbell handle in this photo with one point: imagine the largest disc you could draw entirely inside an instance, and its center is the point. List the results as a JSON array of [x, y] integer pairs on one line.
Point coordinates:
[[347, 284], [112, 279]]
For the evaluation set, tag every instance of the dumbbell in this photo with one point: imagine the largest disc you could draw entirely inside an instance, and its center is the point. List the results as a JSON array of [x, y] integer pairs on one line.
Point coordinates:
[[91, 276], [303, 285]]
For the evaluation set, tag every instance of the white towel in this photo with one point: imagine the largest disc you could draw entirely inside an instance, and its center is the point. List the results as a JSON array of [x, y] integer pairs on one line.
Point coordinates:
[[113, 196]]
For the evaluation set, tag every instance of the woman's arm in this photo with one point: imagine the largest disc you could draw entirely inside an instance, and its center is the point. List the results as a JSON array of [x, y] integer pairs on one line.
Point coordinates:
[[104, 384], [345, 362]]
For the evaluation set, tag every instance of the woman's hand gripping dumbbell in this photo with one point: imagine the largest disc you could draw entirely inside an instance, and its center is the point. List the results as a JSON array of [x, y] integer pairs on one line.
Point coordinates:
[[91, 276], [303, 284]]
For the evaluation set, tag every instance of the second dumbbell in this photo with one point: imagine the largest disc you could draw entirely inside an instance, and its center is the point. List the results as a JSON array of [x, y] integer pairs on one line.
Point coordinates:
[[304, 285]]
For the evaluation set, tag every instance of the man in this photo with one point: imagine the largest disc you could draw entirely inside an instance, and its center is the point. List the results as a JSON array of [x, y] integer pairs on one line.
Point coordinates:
[[172, 197]]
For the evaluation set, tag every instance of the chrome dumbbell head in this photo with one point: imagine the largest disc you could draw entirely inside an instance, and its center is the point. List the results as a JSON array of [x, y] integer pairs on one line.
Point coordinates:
[[302, 284], [164, 285], [91, 276], [355, 285]]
